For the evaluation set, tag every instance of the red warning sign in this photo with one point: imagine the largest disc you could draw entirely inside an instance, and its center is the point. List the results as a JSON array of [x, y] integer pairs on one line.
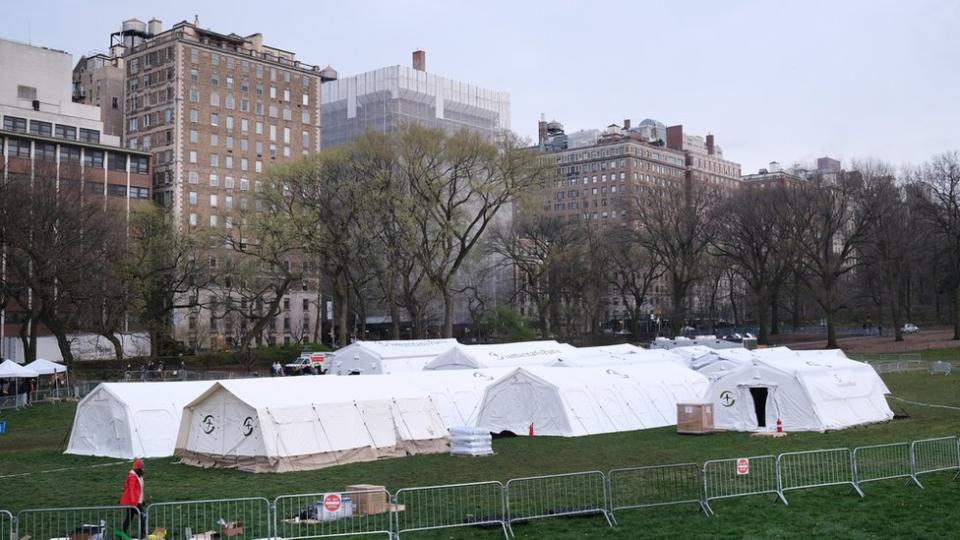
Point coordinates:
[[331, 503], [743, 466]]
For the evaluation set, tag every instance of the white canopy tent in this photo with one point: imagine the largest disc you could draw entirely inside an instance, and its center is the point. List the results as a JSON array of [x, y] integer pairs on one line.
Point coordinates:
[[14, 371], [589, 400], [369, 357], [127, 420], [524, 353], [304, 423], [806, 390], [48, 368]]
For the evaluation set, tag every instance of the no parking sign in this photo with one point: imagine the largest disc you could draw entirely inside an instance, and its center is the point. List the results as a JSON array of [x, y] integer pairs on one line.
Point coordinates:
[[743, 466]]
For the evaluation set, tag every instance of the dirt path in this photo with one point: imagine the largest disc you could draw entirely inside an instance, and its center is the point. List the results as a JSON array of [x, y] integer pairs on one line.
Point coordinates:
[[927, 339]]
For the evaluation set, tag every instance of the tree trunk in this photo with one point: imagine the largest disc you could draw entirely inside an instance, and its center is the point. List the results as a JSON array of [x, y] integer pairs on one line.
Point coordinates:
[[394, 320], [117, 346], [64, 345], [956, 312], [762, 306], [679, 313], [831, 330], [774, 316], [447, 313], [796, 302]]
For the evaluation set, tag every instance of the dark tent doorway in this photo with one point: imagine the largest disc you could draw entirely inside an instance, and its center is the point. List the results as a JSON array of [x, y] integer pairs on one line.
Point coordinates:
[[759, 395]]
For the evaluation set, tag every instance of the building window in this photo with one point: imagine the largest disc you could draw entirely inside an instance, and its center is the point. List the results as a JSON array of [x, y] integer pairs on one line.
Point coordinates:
[[213, 200], [193, 198], [214, 139], [230, 123], [214, 160], [93, 158], [90, 135], [69, 154], [139, 165], [44, 129], [117, 162], [65, 132], [214, 99], [193, 156], [228, 202], [193, 219], [214, 180], [244, 184], [228, 182], [45, 152], [194, 116], [214, 119], [193, 177], [13, 123], [194, 136], [228, 162]]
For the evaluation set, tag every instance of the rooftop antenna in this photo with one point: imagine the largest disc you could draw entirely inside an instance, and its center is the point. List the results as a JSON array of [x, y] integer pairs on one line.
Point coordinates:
[[196, 20], [29, 35]]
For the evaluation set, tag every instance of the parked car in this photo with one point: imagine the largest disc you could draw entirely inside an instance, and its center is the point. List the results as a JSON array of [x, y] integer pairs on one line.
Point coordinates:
[[910, 328], [305, 361]]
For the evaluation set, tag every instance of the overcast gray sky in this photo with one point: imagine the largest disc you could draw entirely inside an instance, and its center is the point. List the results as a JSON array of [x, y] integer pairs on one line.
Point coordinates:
[[786, 81]]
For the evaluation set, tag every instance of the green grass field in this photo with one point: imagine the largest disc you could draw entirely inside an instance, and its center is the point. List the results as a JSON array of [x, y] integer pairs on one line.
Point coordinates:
[[34, 473]]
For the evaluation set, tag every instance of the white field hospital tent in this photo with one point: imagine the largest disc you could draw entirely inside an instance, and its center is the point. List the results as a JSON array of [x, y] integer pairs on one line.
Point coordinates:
[[586, 401], [523, 353], [806, 390], [127, 420], [369, 357], [616, 355], [303, 423], [457, 393]]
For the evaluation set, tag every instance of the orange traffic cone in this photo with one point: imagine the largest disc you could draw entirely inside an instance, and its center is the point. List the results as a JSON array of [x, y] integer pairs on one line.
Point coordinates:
[[530, 431]]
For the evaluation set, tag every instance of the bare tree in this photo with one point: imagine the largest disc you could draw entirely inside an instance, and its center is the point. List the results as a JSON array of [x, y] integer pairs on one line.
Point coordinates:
[[755, 239], [676, 222], [938, 186], [635, 269]]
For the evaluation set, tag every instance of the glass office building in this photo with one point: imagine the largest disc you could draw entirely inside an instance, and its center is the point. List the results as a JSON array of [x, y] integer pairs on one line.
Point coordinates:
[[390, 97]]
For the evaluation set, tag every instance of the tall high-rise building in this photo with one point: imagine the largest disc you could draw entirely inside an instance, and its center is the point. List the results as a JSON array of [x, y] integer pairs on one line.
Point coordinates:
[[216, 111], [45, 133], [386, 98]]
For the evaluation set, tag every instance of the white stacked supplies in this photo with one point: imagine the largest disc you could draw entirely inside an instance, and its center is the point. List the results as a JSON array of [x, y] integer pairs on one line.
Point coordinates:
[[470, 441]]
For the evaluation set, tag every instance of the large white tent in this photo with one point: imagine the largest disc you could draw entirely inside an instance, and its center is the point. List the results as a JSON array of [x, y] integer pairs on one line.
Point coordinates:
[[589, 400], [301, 423], [126, 420], [457, 393], [46, 367], [14, 371], [524, 353], [806, 390], [370, 357]]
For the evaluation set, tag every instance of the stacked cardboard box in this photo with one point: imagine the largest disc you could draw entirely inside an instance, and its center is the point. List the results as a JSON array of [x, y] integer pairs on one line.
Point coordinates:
[[694, 418], [369, 499]]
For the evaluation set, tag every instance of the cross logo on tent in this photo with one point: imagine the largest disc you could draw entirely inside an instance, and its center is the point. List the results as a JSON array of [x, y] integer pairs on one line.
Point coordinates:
[[207, 424], [726, 399], [247, 426]]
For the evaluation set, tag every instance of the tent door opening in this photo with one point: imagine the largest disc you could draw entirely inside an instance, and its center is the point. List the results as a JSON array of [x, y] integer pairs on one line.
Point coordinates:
[[759, 395]]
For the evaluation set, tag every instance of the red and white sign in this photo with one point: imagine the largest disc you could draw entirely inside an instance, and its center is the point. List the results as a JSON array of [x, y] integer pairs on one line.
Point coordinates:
[[331, 503], [743, 466]]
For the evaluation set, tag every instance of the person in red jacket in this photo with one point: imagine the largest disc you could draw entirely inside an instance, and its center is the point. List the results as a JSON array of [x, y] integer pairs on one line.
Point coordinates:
[[133, 496]]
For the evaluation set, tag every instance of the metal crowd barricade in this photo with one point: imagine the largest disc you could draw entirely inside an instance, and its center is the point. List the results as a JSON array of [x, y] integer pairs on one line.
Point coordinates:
[[6, 525], [815, 468], [725, 478], [570, 494], [658, 485], [934, 455], [882, 462], [80, 522], [238, 519], [940, 367], [334, 513], [450, 506]]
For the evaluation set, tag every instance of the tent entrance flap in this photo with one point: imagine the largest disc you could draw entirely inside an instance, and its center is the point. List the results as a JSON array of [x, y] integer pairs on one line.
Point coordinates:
[[759, 395]]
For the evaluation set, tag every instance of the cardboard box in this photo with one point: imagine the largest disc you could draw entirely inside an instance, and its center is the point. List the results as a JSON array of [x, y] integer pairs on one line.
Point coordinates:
[[233, 528], [369, 499], [694, 418]]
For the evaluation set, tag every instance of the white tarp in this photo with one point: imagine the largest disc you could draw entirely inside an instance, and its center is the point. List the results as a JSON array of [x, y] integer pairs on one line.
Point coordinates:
[[302, 423], [524, 353], [589, 400], [127, 420], [369, 357], [806, 390]]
